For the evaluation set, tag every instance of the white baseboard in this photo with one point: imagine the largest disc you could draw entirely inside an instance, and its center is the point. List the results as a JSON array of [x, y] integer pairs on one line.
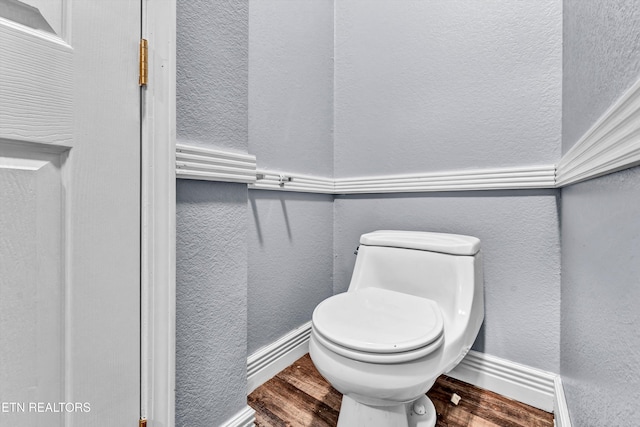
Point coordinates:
[[535, 387], [245, 418], [265, 363], [519, 382], [560, 409]]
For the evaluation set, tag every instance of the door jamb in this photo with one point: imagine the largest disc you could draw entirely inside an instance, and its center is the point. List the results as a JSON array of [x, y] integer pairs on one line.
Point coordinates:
[[158, 287]]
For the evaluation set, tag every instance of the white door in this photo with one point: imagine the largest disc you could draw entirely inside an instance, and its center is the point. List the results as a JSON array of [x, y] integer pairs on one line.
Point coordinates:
[[69, 213]]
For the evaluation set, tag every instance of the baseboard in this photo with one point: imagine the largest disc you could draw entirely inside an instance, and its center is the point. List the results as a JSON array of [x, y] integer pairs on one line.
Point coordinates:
[[560, 408], [535, 387], [519, 382], [265, 363], [245, 418]]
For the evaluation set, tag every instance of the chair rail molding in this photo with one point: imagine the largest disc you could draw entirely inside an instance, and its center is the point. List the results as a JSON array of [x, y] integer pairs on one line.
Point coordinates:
[[270, 180], [195, 162], [610, 145], [458, 180]]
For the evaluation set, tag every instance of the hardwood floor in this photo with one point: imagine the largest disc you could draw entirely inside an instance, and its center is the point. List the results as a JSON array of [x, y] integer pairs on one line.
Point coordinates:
[[299, 397]]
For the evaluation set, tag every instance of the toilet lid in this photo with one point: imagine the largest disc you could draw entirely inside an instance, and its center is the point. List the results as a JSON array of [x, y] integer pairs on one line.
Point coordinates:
[[378, 320]]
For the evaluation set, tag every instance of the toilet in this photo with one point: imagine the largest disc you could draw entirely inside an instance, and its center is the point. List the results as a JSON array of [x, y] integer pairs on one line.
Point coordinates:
[[411, 313]]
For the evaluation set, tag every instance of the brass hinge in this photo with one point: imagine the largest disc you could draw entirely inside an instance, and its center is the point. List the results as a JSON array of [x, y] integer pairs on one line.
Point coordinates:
[[144, 63], [143, 422]]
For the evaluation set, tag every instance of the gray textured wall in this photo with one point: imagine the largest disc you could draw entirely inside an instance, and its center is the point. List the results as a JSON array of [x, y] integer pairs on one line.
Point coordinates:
[[601, 60], [600, 343], [290, 261], [427, 86], [211, 250], [211, 302], [418, 87], [291, 85], [290, 238], [437, 85], [520, 243], [600, 358], [211, 74]]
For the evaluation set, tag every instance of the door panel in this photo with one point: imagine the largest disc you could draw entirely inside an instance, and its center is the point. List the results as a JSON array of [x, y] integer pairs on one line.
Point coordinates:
[[36, 85], [69, 214], [32, 283]]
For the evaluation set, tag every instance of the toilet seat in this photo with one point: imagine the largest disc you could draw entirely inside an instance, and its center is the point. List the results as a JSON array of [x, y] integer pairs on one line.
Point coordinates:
[[378, 325], [379, 358]]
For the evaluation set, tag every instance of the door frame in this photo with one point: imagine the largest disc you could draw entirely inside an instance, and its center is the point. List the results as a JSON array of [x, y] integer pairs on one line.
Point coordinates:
[[158, 207]]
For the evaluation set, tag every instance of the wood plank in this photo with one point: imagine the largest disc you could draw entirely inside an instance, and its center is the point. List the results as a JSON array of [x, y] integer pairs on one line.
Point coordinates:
[[299, 396], [304, 375], [487, 405], [287, 405]]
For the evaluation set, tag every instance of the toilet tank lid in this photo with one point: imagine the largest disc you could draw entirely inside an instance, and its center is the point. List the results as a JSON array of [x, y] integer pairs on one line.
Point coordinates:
[[454, 244]]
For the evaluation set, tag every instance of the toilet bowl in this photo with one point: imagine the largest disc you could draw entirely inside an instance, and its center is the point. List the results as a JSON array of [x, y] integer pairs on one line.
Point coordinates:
[[412, 311]]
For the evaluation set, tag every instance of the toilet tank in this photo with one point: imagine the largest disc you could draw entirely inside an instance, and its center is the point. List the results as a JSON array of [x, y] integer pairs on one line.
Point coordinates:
[[443, 267]]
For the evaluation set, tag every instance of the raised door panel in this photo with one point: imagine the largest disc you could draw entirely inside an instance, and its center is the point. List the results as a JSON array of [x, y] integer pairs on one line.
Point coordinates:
[[36, 78], [32, 286]]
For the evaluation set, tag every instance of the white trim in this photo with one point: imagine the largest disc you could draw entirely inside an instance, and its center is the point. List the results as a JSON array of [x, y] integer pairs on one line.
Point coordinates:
[[519, 382], [245, 418], [610, 145], [193, 162], [265, 363], [535, 387], [270, 180], [560, 408], [460, 180], [157, 388]]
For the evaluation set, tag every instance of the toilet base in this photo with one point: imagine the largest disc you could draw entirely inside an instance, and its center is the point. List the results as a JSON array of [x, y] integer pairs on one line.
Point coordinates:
[[428, 419], [356, 414]]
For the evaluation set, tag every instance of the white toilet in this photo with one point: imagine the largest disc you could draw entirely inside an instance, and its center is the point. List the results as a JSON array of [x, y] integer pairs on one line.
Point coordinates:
[[412, 311]]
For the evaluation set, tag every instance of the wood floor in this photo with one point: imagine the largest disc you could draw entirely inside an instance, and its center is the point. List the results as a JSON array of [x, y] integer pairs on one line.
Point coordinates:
[[300, 397]]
